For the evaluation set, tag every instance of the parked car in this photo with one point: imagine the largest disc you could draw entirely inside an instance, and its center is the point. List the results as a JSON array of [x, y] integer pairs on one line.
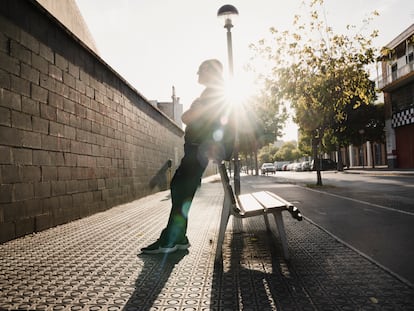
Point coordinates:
[[268, 168], [279, 165], [306, 166], [325, 165], [297, 166], [285, 167]]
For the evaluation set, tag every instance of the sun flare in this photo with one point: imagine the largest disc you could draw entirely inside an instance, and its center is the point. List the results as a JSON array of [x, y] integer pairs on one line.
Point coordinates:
[[239, 89]]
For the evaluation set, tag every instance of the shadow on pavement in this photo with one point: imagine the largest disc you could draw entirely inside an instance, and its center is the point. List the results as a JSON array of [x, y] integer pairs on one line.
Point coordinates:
[[251, 277], [152, 279]]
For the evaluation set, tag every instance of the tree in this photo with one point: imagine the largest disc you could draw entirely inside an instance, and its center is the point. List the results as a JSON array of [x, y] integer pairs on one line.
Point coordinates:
[[267, 154], [288, 152], [320, 73]]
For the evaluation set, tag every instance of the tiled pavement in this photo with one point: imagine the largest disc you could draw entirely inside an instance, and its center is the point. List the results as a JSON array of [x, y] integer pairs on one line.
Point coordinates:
[[92, 264]]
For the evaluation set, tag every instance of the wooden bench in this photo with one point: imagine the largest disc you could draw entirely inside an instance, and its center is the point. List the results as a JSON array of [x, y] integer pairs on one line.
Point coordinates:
[[260, 203]]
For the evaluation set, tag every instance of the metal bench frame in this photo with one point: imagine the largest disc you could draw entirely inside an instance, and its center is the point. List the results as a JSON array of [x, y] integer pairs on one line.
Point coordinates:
[[260, 203]]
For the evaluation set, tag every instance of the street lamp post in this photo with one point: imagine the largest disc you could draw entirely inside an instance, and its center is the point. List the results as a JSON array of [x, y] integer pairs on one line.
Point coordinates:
[[227, 12]]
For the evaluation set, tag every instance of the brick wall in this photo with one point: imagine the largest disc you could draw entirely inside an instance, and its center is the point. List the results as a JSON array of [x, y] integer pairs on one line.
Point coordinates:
[[75, 137]]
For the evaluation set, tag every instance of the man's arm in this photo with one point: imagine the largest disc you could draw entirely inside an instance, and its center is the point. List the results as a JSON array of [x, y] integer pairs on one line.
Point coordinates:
[[196, 110]]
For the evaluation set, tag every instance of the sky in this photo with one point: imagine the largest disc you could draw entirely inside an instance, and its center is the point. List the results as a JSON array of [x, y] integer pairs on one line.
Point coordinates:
[[158, 44]]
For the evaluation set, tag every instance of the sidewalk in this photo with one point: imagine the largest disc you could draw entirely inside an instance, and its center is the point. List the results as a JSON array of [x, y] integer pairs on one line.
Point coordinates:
[[381, 170], [92, 264]]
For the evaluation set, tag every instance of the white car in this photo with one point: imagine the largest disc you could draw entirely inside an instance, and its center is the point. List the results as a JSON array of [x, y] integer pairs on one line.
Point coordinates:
[[268, 167]]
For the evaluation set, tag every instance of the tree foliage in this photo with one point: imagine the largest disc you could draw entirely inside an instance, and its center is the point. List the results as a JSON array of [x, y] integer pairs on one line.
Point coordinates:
[[320, 73]]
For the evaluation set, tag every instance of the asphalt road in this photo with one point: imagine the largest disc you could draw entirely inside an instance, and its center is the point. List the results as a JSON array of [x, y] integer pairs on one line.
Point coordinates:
[[374, 213]]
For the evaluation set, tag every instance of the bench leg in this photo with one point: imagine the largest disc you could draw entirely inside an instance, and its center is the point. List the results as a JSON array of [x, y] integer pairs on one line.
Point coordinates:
[[282, 233], [266, 219], [225, 214]]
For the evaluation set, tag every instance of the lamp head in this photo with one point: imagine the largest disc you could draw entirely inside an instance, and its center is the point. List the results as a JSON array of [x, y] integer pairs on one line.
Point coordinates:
[[227, 12]]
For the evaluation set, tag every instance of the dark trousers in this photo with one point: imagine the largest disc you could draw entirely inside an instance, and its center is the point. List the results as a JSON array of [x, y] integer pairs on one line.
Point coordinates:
[[184, 184]]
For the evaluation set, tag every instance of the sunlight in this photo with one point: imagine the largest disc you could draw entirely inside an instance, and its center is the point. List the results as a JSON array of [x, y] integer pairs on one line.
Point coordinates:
[[239, 89]]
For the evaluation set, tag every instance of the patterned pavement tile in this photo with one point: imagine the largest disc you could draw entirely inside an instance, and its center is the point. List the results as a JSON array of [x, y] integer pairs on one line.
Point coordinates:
[[94, 264]]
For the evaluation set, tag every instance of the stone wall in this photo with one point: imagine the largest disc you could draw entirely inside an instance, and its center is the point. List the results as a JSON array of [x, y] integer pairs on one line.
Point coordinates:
[[75, 137]]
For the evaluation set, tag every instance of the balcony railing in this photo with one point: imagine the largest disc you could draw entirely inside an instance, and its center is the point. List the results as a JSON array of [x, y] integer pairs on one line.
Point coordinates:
[[383, 81]]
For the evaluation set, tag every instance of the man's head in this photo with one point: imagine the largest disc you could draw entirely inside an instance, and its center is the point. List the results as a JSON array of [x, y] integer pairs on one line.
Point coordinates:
[[210, 72]]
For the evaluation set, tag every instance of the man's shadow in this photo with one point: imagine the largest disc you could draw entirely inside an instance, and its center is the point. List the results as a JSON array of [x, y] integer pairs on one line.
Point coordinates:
[[235, 287], [162, 178], [154, 274]]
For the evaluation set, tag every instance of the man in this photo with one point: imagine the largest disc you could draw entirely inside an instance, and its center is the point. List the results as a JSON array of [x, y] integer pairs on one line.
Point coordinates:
[[207, 135]]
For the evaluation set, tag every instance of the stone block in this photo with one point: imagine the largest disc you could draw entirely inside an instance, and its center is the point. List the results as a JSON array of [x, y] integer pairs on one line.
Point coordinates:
[[69, 106], [40, 64], [22, 156], [10, 100], [40, 125], [30, 74], [20, 85], [4, 79], [6, 193], [42, 190], [30, 42], [5, 116], [31, 139], [53, 143], [58, 188], [47, 53], [49, 173], [38, 93], [61, 62], [43, 222], [57, 159], [64, 173], [9, 64], [21, 120], [69, 80], [30, 106], [10, 174], [5, 155], [41, 157], [55, 72], [23, 191], [70, 159], [48, 112], [56, 129], [25, 226], [63, 117], [55, 100], [30, 173], [4, 43], [7, 231], [20, 52]]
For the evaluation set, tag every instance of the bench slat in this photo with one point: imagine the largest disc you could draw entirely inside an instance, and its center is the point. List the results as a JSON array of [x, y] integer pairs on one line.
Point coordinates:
[[268, 200], [249, 206]]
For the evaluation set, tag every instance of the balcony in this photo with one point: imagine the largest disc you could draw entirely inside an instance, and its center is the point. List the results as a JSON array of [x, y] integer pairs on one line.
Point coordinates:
[[397, 78]]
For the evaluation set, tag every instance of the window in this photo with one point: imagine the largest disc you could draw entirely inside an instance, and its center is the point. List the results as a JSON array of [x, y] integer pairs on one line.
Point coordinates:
[[394, 71], [410, 58]]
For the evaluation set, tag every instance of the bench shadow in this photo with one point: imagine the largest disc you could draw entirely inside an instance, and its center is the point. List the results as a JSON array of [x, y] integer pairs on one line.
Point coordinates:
[[152, 279], [256, 278]]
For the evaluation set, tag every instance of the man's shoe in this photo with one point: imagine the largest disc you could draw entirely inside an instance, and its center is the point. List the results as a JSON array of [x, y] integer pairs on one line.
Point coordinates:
[[161, 247], [183, 244], [158, 248]]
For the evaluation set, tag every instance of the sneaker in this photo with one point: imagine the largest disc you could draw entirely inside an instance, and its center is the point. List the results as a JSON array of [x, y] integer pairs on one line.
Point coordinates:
[[159, 247], [183, 244]]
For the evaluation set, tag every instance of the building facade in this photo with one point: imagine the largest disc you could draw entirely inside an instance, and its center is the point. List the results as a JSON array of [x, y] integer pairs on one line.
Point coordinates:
[[173, 109], [397, 84]]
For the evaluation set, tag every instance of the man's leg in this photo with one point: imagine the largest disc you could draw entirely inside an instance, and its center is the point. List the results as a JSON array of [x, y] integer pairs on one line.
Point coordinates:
[[184, 184]]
